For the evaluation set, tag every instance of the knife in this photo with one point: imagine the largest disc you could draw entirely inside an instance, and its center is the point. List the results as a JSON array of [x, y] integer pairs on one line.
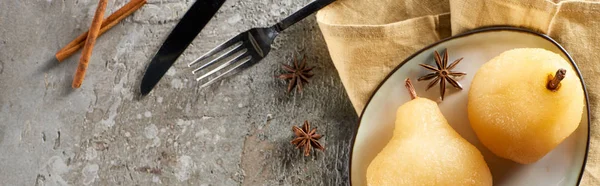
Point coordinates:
[[178, 40]]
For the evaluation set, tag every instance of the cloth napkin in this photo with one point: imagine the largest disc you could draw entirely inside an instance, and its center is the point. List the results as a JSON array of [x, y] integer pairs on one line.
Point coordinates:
[[368, 38]]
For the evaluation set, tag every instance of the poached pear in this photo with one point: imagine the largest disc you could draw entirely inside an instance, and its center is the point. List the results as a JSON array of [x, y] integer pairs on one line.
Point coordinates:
[[425, 150], [525, 102]]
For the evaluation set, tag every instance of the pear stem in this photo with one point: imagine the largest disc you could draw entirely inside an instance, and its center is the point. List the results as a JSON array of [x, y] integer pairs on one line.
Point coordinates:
[[411, 88], [554, 82]]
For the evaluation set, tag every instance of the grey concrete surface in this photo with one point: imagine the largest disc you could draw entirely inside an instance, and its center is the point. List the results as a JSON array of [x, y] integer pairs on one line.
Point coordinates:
[[235, 132]]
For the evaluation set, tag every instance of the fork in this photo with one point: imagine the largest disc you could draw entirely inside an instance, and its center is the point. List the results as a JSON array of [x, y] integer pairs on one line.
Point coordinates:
[[247, 48]]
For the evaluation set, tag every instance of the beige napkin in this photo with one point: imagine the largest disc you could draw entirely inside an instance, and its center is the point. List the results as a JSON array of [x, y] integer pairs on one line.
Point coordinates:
[[368, 38]]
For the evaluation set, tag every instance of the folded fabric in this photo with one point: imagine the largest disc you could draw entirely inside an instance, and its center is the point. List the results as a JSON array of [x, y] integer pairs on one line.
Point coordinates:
[[367, 39]]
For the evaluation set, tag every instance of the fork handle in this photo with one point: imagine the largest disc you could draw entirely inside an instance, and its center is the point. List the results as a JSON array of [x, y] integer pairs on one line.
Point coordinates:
[[302, 13]]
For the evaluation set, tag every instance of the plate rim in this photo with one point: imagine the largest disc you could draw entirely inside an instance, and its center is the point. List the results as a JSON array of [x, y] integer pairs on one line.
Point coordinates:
[[468, 33]]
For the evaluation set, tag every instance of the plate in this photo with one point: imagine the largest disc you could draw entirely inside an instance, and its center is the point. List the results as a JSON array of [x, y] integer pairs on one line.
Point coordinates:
[[562, 166]]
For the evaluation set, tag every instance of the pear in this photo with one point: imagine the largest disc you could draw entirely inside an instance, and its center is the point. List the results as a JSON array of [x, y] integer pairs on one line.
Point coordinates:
[[525, 102], [425, 150]]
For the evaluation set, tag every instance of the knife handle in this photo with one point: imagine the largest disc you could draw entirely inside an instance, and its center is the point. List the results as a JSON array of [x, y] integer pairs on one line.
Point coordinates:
[[302, 13]]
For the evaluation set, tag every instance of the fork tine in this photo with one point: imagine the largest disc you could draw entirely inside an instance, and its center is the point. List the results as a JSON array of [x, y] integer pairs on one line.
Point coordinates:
[[227, 72], [228, 63], [221, 47], [238, 47]]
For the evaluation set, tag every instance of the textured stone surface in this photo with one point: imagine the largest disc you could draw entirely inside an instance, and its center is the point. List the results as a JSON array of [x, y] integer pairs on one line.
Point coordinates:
[[236, 132]]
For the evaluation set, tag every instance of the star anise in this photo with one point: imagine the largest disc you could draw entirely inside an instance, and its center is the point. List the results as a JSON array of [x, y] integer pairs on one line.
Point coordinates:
[[297, 74], [442, 73], [307, 138]]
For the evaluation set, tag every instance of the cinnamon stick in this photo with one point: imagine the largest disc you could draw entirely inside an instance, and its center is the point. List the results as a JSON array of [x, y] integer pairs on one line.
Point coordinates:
[[89, 44], [107, 24]]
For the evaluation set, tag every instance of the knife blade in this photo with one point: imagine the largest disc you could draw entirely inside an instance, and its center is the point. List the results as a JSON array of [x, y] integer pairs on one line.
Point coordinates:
[[178, 40]]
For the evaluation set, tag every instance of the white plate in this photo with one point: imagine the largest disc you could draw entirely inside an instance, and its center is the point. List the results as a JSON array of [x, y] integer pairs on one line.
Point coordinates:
[[562, 166]]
